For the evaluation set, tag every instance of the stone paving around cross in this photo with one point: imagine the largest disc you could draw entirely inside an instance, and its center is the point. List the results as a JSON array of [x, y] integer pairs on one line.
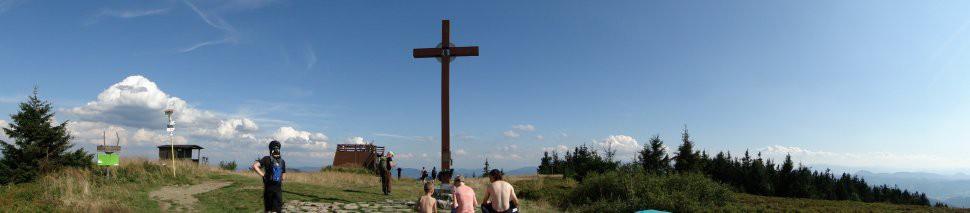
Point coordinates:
[[388, 206]]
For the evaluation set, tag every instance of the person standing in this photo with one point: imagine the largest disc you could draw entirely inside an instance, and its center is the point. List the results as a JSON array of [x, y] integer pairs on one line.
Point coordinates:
[[386, 163], [398, 173], [465, 200], [272, 169], [434, 173], [424, 174]]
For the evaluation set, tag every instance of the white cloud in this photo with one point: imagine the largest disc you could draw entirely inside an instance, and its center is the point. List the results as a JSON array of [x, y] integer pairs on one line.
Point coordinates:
[[884, 160], [620, 143], [511, 134], [540, 138], [137, 102], [460, 152], [235, 126], [524, 127], [404, 155], [3, 136], [558, 148], [290, 134], [355, 140], [133, 108], [132, 13]]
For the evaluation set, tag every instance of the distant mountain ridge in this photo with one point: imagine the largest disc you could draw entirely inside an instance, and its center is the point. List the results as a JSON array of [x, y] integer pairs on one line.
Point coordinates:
[[954, 190]]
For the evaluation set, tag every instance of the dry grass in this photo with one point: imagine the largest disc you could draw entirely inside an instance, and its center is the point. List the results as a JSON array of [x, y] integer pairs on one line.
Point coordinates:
[[83, 190]]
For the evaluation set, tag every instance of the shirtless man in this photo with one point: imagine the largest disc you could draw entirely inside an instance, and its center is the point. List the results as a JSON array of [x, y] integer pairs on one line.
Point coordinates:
[[499, 195]]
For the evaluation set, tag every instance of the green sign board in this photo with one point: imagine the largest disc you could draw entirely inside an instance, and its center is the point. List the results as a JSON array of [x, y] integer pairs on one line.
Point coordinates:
[[108, 159]]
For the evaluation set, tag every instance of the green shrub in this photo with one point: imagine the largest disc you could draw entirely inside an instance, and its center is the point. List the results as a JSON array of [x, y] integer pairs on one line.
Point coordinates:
[[231, 165], [552, 190], [629, 192]]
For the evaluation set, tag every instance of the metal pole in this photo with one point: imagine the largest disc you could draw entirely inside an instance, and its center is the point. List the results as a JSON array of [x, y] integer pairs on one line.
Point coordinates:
[[171, 136]]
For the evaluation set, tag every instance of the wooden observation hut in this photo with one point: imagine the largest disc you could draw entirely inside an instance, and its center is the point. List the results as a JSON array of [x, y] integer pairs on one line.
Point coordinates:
[[182, 152], [357, 155]]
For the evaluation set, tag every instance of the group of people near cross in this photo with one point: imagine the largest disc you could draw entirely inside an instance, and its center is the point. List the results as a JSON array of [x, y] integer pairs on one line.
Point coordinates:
[[499, 194]]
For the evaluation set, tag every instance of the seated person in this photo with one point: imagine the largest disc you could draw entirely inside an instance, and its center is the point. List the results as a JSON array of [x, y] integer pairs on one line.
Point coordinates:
[[465, 200], [499, 195]]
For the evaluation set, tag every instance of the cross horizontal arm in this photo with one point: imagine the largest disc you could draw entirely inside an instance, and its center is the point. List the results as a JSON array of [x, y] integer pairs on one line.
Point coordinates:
[[464, 51], [427, 52]]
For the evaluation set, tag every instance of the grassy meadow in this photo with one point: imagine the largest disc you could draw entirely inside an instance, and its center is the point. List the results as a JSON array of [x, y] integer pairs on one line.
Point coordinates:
[[127, 189]]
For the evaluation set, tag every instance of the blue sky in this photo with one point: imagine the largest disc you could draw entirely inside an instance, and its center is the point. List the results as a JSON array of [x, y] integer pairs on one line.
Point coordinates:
[[863, 84]]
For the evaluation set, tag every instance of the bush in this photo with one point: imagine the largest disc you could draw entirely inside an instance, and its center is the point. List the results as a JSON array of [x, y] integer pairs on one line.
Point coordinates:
[[231, 165], [551, 190], [629, 192]]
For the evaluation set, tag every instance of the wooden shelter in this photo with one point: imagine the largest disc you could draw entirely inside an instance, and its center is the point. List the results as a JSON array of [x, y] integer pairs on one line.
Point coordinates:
[[182, 152], [357, 155]]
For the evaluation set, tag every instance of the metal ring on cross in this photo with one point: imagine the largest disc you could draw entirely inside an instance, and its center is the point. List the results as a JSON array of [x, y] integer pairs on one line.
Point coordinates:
[[446, 52]]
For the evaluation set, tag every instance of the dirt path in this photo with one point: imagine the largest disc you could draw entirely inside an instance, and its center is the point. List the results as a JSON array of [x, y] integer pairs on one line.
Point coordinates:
[[181, 196]]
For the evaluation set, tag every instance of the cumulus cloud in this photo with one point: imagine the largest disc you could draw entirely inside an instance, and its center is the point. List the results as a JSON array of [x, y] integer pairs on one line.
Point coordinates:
[[620, 143], [404, 155], [460, 152], [236, 126], [524, 127], [558, 148], [886, 160], [3, 136], [355, 140], [511, 134], [133, 108], [138, 102]]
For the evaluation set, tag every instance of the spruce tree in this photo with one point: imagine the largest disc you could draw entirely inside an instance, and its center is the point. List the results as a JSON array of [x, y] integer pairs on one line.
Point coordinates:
[[486, 169], [39, 146], [686, 160], [653, 158], [545, 166]]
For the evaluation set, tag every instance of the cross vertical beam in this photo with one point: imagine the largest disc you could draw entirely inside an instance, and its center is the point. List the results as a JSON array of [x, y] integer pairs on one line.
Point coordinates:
[[445, 97]]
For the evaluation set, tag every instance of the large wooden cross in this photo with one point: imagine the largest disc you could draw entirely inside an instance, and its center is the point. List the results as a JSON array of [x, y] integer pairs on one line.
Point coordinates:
[[445, 52]]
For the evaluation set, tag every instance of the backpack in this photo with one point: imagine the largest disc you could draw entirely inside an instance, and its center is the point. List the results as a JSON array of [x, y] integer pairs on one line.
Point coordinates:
[[276, 169]]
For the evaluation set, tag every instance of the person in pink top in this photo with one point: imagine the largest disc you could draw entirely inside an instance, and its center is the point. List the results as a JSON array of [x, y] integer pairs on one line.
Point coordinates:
[[465, 200]]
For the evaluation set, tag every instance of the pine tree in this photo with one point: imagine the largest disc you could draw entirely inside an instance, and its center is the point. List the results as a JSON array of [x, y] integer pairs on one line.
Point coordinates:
[[486, 169], [686, 159], [545, 166], [39, 146], [653, 158]]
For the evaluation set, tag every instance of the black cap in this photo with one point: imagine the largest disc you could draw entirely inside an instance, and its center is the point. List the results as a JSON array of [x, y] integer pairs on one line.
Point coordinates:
[[274, 145]]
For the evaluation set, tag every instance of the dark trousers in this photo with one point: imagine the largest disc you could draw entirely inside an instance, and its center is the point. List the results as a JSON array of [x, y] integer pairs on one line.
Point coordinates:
[[386, 183], [273, 198], [487, 208]]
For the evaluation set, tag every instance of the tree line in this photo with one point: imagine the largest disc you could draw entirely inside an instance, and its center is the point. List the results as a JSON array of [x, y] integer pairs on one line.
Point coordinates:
[[746, 174]]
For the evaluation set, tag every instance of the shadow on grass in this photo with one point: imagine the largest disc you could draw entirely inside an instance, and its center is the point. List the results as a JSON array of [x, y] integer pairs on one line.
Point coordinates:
[[362, 192], [317, 198]]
